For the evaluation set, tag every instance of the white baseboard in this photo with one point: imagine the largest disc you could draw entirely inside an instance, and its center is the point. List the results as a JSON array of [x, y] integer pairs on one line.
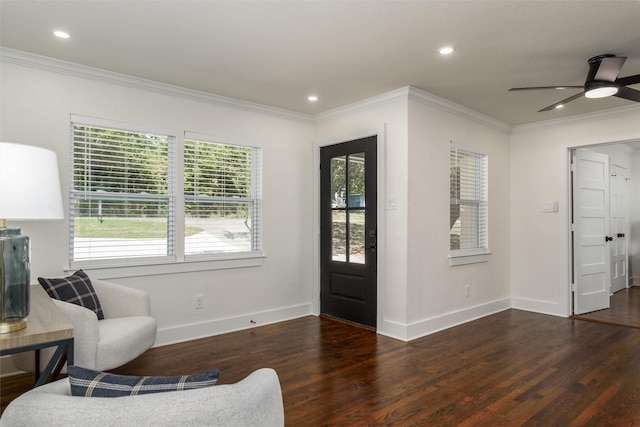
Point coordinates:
[[194, 331], [435, 324], [202, 330], [538, 306]]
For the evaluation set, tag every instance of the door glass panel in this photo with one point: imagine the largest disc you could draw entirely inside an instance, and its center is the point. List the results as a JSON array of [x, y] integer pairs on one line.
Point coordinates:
[[339, 235], [338, 182], [356, 236], [356, 180]]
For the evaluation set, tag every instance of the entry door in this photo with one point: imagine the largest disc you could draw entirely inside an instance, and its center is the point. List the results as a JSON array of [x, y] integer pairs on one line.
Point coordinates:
[[348, 231], [619, 228], [591, 238]]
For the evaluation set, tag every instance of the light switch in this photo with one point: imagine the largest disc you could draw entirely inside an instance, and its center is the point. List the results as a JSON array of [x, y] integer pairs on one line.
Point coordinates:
[[550, 206]]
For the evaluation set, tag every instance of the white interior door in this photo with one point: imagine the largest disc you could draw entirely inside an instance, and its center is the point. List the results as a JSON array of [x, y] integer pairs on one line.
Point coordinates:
[[591, 238], [619, 228]]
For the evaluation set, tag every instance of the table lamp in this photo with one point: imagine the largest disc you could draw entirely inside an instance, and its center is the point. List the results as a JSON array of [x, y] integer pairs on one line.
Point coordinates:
[[29, 190]]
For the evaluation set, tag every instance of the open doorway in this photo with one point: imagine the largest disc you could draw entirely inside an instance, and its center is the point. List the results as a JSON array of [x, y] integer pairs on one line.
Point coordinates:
[[605, 217]]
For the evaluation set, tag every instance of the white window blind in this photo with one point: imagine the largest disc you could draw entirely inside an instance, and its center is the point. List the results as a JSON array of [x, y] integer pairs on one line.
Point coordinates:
[[468, 220], [121, 197], [221, 198]]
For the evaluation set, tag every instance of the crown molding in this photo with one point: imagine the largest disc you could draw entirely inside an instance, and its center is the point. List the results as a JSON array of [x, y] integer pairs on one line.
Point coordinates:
[[414, 94], [426, 98], [630, 110], [90, 73], [401, 94]]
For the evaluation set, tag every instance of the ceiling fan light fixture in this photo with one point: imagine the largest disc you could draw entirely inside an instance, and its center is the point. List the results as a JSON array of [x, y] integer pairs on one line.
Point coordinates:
[[597, 89]]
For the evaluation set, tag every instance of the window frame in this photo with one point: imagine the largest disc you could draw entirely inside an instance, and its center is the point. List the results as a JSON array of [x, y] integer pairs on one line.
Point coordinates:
[[175, 262], [481, 252], [255, 199]]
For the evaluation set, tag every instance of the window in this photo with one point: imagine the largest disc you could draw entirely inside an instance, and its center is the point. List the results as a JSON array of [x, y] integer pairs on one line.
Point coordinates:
[[122, 195], [221, 197], [125, 209], [468, 204]]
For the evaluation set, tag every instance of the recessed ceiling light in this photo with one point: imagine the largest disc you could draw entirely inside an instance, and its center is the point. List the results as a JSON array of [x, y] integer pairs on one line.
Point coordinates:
[[312, 98], [559, 106], [447, 50], [61, 34]]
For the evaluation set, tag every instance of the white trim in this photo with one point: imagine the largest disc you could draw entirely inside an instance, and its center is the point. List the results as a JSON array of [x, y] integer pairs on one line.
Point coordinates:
[[228, 140], [121, 125], [632, 110], [538, 306], [421, 328], [381, 133], [468, 259], [108, 272], [215, 327], [414, 94], [458, 110], [401, 94], [90, 73], [183, 333]]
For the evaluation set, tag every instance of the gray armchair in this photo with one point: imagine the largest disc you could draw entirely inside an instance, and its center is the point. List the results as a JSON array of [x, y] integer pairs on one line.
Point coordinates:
[[126, 331], [254, 401]]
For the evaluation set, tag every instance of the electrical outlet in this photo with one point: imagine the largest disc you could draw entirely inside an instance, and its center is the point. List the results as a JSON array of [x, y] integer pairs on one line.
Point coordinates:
[[198, 302], [467, 291]]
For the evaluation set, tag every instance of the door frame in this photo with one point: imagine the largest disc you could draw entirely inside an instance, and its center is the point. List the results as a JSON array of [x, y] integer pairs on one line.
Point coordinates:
[[565, 304], [380, 133]]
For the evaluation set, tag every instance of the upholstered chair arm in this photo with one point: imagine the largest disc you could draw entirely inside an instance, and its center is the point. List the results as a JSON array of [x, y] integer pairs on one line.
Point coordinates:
[[121, 301], [85, 332]]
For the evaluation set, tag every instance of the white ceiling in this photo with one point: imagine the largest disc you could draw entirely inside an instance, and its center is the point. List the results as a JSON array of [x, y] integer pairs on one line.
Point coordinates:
[[278, 52]]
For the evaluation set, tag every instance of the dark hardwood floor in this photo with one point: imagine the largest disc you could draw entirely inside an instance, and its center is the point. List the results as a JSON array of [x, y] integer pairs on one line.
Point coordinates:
[[624, 309], [511, 368]]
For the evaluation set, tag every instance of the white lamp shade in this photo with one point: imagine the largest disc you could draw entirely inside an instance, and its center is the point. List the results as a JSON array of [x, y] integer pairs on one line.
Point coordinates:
[[29, 183]]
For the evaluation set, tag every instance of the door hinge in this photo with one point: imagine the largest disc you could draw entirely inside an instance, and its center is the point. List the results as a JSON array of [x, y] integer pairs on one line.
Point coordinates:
[[574, 288]]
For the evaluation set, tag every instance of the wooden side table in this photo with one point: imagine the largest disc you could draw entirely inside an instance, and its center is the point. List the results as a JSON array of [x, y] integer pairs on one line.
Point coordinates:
[[47, 326]]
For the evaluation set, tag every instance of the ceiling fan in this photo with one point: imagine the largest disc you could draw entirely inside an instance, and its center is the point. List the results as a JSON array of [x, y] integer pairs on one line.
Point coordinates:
[[602, 81]]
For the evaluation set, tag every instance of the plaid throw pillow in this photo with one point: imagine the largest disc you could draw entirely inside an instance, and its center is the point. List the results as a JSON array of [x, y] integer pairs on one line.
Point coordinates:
[[90, 383], [76, 289]]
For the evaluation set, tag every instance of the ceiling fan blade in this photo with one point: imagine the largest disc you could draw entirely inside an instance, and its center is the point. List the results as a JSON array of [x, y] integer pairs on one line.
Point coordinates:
[[564, 101], [546, 87], [606, 69], [628, 93], [630, 80]]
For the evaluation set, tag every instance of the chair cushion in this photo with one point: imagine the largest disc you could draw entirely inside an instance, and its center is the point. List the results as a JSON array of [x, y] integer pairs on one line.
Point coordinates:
[[121, 340], [76, 289], [90, 383]]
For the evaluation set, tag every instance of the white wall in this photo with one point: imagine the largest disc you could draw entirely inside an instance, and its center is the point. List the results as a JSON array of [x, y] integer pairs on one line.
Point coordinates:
[[36, 106], [386, 116], [421, 293], [436, 290], [539, 173], [634, 220]]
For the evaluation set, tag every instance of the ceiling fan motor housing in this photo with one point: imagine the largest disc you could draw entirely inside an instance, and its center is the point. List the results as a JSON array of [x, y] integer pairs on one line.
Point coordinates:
[[594, 67]]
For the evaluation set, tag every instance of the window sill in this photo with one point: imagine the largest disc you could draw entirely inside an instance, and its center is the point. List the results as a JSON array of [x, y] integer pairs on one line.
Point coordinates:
[[468, 259], [161, 268]]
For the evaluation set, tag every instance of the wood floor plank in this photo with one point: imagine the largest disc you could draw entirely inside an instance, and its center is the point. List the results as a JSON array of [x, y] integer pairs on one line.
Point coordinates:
[[624, 309], [511, 368]]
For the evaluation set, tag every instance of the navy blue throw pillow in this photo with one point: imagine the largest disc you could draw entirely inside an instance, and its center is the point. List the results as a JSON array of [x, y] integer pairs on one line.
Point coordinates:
[[76, 289], [90, 383]]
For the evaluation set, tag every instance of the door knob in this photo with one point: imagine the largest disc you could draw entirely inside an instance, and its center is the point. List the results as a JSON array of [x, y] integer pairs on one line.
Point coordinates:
[[620, 234], [608, 238]]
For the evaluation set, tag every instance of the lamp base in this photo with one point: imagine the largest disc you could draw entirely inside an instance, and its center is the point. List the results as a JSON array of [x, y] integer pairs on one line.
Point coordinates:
[[6, 327], [14, 279]]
